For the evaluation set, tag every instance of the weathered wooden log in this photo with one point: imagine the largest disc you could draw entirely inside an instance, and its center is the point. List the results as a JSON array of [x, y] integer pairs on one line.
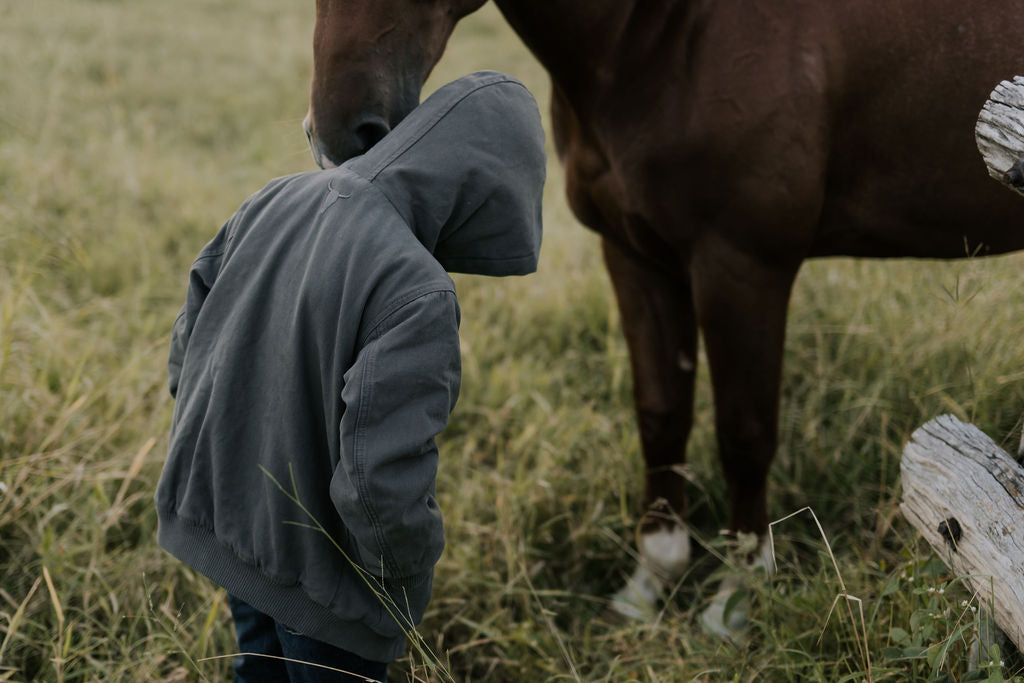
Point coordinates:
[[1000, 133], [966, 497]]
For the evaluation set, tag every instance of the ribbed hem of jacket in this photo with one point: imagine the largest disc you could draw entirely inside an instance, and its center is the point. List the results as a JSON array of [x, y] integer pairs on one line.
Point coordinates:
[[287, 604]]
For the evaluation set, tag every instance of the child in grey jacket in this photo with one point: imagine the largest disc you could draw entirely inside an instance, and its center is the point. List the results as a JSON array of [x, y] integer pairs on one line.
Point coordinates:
[[313, 363]]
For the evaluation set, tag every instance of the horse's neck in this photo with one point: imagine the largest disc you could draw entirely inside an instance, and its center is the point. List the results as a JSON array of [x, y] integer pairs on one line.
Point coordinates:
[[589, 47], [570, 38]]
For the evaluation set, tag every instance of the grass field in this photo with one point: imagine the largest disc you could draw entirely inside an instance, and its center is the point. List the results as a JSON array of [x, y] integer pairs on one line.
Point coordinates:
[[130, 130]]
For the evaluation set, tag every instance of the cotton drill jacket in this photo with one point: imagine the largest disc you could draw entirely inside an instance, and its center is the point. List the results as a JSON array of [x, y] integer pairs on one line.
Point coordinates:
[[317, 357]]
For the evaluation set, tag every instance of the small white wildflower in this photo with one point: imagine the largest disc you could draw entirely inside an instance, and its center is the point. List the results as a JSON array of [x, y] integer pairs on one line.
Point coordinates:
[[932, 589], [942, 591], [910, 578], [963, 603], [3, 487], [973, 608], [1002, 663]]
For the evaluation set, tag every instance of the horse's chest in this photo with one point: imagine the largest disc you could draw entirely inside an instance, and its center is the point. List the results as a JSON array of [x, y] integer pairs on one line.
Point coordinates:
[[607, 188]]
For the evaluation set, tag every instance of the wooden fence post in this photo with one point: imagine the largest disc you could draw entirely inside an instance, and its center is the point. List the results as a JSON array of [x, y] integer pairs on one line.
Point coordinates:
[[965, 495], [1000, 133]]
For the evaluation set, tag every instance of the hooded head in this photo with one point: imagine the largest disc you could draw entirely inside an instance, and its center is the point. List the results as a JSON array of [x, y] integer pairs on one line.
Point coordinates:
[[466, 171]]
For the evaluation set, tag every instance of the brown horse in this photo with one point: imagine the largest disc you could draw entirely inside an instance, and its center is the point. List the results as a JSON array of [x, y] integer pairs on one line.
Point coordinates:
[[715, 146]]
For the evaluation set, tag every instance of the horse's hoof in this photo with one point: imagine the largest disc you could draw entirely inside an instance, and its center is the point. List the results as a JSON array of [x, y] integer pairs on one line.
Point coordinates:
[[726, 615], [637, 600], [664, 555]]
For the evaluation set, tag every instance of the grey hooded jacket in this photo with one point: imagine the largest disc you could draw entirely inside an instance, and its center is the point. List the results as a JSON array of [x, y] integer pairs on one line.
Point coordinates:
[[317, 357]]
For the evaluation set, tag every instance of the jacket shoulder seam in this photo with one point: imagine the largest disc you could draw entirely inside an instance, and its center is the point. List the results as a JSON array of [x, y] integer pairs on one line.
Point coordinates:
[[208, 255], [401, 302]]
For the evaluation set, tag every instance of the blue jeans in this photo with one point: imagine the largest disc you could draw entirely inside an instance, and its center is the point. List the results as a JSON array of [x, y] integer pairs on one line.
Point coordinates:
[[261, 635]]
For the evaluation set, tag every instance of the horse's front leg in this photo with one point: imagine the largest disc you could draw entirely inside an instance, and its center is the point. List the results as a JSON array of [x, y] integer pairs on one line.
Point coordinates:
[[660, 328], [741, 302]]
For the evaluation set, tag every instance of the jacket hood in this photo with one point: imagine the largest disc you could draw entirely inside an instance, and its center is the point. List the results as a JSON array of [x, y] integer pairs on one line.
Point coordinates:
[[466, 169]]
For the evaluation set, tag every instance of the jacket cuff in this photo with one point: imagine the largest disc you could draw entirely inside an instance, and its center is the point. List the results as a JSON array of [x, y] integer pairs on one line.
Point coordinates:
[[411, 581], [372, 566]]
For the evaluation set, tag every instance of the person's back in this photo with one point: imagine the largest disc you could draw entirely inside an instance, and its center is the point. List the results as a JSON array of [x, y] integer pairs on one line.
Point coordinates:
[[317, 357]]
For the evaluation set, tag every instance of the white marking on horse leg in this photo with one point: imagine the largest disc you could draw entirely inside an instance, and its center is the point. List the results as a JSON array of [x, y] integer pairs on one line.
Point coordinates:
[[686, 363], [637, 598], [667, 551], [764, 558], [714, 618], [664, 555]]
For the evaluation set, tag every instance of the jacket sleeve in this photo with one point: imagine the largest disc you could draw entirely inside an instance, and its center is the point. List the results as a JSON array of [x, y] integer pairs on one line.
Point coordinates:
[[398, 396], [200, 279]]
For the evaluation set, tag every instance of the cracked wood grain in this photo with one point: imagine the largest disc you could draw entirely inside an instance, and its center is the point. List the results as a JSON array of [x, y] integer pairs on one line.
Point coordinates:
[[953, 472]]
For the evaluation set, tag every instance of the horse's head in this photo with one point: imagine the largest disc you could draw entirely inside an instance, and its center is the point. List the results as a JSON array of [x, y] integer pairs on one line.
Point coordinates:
[[370, 59]]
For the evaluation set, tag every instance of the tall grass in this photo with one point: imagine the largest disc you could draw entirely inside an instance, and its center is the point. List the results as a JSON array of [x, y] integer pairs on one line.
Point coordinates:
[[130, 130]]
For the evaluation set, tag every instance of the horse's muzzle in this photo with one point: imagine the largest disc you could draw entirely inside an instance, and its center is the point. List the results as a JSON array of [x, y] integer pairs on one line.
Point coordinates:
[[321, 159], [367, 133]]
